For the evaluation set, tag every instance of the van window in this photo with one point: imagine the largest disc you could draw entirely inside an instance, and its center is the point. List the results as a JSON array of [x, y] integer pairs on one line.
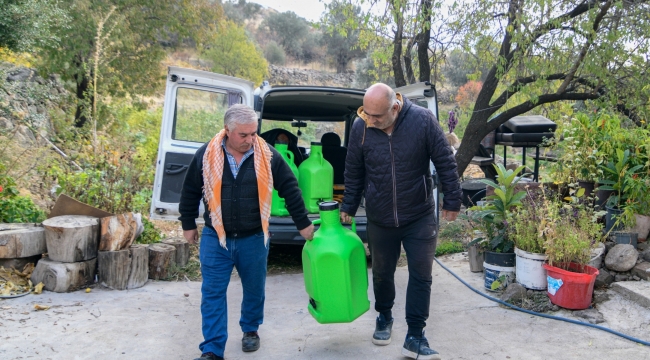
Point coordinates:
[[312, 132], [198, 114]]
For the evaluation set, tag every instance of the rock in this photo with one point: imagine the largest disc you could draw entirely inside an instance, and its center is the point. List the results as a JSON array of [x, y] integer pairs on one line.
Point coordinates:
[[6, 124], [601, 297], [620, 277], [621, 257], [642, 246], [555, 308], [646, 254], [514, 292], [642, 271], [593, 316], [604, 278], [636, 278], [609, 245], [21, 74]]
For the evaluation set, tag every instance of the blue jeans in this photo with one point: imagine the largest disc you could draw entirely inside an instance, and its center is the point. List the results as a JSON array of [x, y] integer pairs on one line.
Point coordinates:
[[249, 256]]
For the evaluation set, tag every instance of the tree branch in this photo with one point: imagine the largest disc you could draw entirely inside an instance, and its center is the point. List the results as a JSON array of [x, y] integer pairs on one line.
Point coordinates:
[[517, 85], [529, 105], [585, 48]]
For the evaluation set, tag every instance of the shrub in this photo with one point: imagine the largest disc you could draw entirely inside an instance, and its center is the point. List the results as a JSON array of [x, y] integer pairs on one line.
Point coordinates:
[[275, 54], [15, 208]]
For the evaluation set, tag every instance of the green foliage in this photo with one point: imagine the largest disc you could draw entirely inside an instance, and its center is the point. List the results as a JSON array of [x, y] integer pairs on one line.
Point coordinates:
[[571, 232], [555, 51], [341, 33], [15, 208], [240, 10], [492, 219], [619, 177], [232, 53], [289, 30], [449, 247], [274, 53], [150, 234], [127, 58], [26, 25]]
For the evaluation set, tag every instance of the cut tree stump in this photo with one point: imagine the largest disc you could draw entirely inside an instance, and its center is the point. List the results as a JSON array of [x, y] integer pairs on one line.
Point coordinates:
[[161, 257], [139, 270], [119, 231], [72, 238], [113, 268], [63, 277], [21, 241], [182, 250]]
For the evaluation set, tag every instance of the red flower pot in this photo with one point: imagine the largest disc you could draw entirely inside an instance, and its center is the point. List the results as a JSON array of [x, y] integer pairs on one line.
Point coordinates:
[[571, 289]]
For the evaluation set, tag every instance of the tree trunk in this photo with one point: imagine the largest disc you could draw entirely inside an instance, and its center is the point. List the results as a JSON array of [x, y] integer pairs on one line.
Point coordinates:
[[423, 39], [21, 240], [84, 99], [139, 269], [113, 268], [408, 62], [72, 238], [63, 277], [182, 250], [118, 232], [398, 73], [161, 257]]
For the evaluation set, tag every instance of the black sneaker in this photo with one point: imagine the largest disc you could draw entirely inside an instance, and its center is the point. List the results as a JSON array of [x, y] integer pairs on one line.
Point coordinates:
[[209, 356], [250, 342], [418, 348], [383, 330]]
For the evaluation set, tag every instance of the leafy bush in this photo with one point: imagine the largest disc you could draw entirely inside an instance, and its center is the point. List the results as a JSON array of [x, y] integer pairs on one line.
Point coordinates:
[[449, 247], [275, 54], [15, 208], [150, 234]]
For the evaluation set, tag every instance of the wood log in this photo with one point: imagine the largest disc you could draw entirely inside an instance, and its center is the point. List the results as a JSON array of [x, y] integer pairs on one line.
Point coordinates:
[[72, 238], [20, 263], [161, 258], [182, 250], [139, 270], [118, 232], [113, 268], [21, 241], [63, 277]]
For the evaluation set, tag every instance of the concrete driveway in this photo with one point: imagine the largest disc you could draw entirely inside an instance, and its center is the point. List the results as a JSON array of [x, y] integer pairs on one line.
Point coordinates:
[[159, 321]]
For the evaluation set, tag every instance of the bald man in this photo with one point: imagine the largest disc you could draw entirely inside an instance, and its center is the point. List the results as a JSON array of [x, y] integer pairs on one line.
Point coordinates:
[[391, 144]]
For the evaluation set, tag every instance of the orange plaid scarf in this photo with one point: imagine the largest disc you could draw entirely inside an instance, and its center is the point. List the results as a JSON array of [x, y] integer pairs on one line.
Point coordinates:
[[213, 166]]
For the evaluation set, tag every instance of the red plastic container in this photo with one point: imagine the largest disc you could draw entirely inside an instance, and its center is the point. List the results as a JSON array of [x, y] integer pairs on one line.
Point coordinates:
[[569, 289]]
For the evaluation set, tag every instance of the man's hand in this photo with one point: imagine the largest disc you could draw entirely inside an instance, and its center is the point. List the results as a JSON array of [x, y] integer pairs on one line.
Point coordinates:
[[192, 236], [450, 215], [345, 218], [308, 232]]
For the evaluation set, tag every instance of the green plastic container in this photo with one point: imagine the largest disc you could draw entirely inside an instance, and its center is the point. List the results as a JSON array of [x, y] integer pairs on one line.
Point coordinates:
[[335, 270], [278, 206], [316, 179]]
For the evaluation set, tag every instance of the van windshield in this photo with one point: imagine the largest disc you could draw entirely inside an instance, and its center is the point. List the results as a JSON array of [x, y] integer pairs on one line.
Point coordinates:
[[313, 130]]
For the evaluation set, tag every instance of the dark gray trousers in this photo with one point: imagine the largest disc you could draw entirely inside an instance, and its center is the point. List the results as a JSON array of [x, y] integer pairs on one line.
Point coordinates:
[[419, 239]]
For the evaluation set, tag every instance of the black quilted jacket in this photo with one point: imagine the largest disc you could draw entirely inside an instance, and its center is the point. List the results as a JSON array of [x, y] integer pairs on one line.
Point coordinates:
[[394, 170]]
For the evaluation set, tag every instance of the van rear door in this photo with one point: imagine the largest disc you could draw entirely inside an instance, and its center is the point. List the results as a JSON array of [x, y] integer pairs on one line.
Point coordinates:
[[195, 102]]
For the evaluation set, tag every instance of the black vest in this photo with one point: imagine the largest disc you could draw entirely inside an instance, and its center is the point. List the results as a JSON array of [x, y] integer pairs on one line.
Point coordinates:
[[240, 204]]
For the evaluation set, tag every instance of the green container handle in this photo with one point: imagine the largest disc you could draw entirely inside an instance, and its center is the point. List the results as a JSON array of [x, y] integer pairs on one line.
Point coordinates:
[[316, 222], [354, 225], [289, 155]]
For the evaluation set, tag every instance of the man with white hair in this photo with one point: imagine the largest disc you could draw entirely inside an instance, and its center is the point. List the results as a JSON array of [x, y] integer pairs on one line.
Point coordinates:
[[235, 174], [390, 147]]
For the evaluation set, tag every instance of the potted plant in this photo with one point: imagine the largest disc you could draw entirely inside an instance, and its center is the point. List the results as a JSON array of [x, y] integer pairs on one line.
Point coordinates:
[[619, 178], [573, 233], [527, 227], [639, 205], [491, 220]]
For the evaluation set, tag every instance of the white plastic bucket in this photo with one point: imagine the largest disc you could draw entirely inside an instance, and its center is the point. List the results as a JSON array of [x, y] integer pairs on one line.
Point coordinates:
[[530, 273], [505, 275]]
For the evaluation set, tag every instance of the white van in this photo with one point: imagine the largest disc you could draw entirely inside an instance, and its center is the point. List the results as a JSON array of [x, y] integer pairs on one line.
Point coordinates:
[[195, 102]]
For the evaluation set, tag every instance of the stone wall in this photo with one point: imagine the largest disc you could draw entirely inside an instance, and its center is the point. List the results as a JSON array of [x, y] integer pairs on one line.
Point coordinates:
[[26, 103], [288, 76]]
